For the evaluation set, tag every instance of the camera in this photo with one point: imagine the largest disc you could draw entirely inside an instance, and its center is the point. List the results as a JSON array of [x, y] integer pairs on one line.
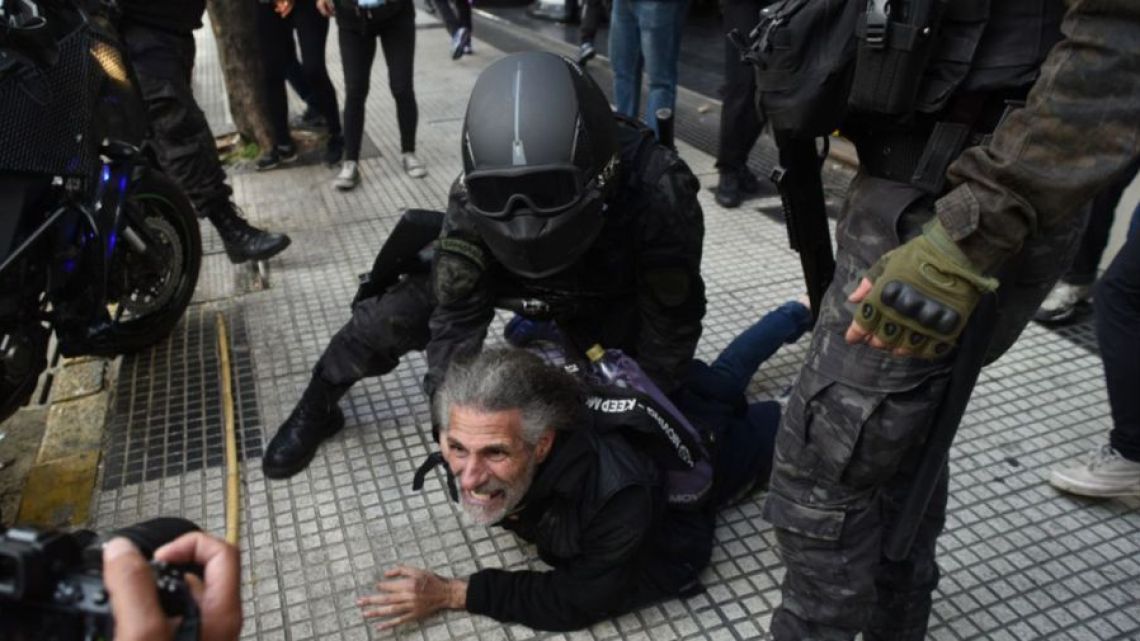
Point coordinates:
[[51, 583]]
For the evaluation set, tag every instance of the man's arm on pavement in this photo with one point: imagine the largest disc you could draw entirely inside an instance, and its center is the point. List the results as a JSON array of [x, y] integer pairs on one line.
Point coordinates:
[[587, 589]]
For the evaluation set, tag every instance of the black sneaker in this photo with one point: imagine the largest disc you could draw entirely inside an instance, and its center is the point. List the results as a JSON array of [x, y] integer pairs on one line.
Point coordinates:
[[586, 52], [277, 156]]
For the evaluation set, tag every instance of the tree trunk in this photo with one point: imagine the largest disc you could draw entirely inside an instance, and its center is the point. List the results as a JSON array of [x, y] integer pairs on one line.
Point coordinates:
[[235, 32]]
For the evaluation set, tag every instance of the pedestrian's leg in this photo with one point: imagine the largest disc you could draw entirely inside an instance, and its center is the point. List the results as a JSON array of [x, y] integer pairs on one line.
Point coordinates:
[[312, 33], [591, 15], [1117, 304], [740, 123], [275, 45], [447, 15], [398, 38], [739, 361], [625, 58], [295, 76], [357, 51], [660, 48]]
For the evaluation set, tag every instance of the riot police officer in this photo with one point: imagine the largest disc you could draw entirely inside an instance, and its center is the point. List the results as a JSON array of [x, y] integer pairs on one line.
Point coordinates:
[[564, 211]]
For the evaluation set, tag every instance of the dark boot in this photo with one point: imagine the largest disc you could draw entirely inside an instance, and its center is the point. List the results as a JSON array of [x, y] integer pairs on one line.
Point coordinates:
[[754, 186], [728, 190], [315, 418], [244, 241]]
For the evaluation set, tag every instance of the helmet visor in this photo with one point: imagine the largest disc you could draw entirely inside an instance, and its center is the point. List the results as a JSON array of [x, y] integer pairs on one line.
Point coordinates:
[[544, 190]]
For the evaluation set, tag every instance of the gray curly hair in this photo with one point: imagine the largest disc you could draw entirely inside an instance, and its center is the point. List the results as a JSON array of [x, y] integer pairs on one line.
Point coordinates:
[[505, 379]]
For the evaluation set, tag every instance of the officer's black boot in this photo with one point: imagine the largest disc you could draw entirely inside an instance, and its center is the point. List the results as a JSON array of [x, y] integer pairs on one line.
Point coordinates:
[[728, 189], [315, 418], [244, 241]]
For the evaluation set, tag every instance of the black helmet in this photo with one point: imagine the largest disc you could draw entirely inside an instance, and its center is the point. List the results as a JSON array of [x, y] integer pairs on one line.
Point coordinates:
[[540, 152]]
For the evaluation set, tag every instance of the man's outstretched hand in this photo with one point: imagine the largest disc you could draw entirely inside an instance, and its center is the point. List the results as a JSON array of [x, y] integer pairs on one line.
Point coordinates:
[[916, 299], [410, 594]]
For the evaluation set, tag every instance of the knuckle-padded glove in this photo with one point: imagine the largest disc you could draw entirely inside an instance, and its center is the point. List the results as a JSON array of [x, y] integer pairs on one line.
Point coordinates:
[[922, 295]]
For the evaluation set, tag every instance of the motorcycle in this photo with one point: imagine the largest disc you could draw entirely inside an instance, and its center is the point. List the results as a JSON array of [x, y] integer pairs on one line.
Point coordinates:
[[96, 244]]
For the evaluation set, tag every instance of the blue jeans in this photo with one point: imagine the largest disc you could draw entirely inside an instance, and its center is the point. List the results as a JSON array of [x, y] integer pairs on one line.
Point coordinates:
[[714, 395], [646, 33]]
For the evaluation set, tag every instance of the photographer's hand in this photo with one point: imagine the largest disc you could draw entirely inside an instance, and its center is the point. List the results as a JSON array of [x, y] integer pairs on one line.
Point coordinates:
[[134, 599], [219, 598], [416, 594]]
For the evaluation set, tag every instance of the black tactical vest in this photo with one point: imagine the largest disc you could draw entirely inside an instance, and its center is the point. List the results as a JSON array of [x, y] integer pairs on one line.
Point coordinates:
[[817, 61], [988, 45]]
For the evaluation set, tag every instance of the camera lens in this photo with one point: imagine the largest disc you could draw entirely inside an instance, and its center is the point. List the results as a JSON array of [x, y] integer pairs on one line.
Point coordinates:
[[10, 583]]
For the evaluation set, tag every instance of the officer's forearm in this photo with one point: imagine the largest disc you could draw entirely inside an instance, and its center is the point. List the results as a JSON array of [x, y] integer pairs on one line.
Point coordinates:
[[1078, 131]]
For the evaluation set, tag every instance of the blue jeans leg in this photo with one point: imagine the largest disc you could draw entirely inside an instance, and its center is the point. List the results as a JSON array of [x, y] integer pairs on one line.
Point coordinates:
[[661, 22], [625, 57], [738, 363]]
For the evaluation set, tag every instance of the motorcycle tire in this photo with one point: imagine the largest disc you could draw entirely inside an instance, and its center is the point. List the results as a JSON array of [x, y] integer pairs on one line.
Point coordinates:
[[170, 217]]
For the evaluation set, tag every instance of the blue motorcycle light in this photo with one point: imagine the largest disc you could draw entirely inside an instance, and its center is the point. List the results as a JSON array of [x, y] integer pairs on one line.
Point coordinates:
[[106, 173], [69, 265]]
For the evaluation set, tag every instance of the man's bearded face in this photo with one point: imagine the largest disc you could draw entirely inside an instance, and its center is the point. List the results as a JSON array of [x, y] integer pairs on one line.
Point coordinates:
[[491, 461]]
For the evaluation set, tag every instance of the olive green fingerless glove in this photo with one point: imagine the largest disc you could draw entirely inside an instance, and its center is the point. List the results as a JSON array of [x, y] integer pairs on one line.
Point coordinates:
[[923, 292]]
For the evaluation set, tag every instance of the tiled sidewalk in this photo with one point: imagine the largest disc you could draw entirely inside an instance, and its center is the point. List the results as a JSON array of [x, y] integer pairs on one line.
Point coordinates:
[[1020, 561]]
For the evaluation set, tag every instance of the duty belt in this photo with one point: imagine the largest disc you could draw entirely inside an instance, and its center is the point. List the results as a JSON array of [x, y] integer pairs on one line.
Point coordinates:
[[921, 156]]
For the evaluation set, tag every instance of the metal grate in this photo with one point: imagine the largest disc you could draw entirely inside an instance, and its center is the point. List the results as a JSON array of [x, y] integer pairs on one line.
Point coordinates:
[[166, 413]]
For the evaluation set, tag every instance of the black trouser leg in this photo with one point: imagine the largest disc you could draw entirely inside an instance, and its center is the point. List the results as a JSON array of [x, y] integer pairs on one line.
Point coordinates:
[[450, 21], [463, 8], [295, 76], [381, 331], [313, 32], [1117, 304], [178, 128], [591, 15], [1087, 260], [398, 39], [357, 51], [740, 124], [275, 42]]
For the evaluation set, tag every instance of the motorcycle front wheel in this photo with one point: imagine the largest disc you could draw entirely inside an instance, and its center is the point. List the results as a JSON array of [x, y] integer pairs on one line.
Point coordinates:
[[149, 297]]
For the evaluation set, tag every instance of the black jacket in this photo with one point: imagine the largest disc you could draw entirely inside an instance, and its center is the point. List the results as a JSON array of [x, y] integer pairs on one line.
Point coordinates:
[[638, 288], [596, 512]]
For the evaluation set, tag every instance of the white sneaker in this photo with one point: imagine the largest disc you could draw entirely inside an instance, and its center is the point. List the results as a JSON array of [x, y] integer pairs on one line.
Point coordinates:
[[1061, 303], [413, 167], [1106, 473], [349, 176]]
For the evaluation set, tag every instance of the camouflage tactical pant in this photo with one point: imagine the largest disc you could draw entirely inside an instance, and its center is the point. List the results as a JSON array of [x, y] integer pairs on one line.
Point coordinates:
[[852, 435], [382, 329]]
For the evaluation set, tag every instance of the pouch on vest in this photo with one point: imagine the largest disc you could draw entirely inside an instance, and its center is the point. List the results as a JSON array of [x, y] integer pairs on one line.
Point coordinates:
[[803, 52], [895, 40]]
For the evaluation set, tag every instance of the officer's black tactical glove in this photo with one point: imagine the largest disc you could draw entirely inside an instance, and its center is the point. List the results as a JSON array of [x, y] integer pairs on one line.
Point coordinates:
[[923, 292]]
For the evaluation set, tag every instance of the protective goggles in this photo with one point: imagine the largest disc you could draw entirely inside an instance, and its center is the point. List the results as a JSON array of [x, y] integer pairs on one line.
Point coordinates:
[[544, 190]]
